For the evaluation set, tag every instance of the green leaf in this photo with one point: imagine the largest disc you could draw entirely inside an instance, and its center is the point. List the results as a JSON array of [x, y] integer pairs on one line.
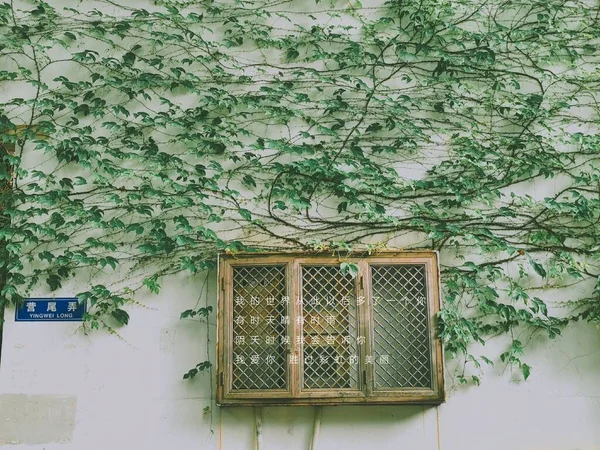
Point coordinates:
[[129, 59], [516, 347], [349, 269], [486, 360], [249, 181], [46, 256], [280, 205], [191, 374], [245, 213], [121, 316], [539, 269], [374, 127], [525, 370], [135, 228], [292, 53], [187, 313], [54, 281], [152, 284]]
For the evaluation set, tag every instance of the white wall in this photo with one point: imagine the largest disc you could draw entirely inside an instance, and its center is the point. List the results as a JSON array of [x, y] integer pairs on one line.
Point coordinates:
[[61, 389]]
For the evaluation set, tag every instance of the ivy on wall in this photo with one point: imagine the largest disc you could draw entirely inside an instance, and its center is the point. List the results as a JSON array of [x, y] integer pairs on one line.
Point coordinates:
[[149, 138]]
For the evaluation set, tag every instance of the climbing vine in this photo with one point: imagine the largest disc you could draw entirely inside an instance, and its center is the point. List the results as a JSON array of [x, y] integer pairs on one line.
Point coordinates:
[[149, 138]]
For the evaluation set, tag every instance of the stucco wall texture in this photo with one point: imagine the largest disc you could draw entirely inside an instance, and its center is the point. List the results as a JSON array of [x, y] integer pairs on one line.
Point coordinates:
[[63, 389]]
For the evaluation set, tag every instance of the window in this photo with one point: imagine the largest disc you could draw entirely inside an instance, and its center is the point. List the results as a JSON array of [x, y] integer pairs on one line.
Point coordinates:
[[312, 329]]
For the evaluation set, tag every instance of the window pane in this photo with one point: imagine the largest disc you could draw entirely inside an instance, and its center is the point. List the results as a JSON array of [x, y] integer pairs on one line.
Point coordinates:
[[401, 334], [259, 327], [329, 328]]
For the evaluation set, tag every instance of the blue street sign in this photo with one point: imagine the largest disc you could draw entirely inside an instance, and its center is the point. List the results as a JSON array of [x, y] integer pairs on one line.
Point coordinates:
[[50, 310]]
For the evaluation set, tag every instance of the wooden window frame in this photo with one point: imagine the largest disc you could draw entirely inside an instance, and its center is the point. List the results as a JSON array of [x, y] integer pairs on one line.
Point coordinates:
[[295, 394]]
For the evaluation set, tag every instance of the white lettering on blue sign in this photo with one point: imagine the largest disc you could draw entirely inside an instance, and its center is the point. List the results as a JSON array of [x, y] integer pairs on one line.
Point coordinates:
[[50, 309]]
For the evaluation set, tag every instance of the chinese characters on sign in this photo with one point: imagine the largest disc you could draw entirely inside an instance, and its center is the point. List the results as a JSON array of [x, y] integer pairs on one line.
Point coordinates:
[[50, 309]]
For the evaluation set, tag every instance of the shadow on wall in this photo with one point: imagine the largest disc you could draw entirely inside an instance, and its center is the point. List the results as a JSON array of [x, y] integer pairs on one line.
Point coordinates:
[[366, 426]]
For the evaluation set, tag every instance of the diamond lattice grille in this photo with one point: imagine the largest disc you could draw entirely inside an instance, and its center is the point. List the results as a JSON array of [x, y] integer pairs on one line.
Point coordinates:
[[259, 329], [401, 337], [329, 328]]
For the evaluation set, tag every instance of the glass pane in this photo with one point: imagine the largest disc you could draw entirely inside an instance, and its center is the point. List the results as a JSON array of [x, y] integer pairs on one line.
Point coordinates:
[[329, 328], [401, 331], [259, 327]]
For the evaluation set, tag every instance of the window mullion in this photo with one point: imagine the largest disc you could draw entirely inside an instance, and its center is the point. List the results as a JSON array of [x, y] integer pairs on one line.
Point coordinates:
[[295, 327], [366, 369]]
